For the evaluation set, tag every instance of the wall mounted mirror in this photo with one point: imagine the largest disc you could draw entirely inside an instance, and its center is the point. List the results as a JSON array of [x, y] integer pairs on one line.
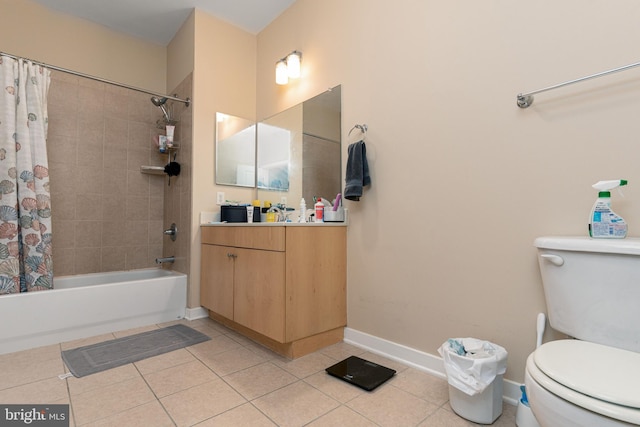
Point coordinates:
[[274, 156], [308, 138], [298, 151], [235, 151]]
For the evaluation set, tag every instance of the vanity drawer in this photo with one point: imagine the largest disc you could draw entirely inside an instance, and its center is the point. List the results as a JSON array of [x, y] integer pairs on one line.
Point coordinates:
[[270, 238]]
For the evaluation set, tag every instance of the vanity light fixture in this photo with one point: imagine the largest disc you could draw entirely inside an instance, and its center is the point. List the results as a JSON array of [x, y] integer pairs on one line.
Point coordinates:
[[282, 75], [293, 64], [288, 68]]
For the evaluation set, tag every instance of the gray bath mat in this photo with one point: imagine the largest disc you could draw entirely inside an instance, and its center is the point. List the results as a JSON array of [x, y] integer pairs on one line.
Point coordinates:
[[99, 357]]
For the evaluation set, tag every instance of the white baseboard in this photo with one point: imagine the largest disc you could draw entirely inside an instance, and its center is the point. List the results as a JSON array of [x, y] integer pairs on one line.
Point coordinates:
[[417, 359], [196, 313]]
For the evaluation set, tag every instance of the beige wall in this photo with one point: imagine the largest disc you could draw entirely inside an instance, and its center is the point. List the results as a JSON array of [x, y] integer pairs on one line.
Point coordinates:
[[224, 80], [463, 180], [180, 55], [38, 33]]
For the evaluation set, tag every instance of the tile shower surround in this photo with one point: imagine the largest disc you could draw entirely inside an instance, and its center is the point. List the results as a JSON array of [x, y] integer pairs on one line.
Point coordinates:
[[107, 216]]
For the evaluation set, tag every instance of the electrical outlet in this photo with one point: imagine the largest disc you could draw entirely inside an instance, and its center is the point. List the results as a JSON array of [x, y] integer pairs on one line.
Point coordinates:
[[220, 198], [283, 201]]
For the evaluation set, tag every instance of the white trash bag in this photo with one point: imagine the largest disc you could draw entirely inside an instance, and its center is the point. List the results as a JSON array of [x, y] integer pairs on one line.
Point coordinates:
[[471, 365]]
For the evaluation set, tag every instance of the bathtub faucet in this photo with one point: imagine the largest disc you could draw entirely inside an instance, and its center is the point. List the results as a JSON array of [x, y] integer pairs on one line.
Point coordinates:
[[167, 259]]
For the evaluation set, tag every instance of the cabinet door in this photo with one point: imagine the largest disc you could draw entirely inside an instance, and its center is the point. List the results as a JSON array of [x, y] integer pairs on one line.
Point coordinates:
[[216, 279], [260, 292], [316, 280]]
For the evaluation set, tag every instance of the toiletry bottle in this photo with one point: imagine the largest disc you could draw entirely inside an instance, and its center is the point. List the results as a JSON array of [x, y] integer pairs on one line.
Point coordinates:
[[170, 130], [271, 215], [303, 211], [603, 222], [319, 210]]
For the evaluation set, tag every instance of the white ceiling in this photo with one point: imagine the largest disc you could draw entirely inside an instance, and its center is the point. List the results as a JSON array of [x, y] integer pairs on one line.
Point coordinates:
[[159, 20]]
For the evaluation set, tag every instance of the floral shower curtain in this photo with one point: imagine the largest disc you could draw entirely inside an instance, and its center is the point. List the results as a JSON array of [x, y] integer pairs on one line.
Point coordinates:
[[25, 208]]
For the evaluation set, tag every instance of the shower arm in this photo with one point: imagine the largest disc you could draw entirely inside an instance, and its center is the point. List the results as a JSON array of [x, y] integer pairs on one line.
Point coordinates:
[[187, 101]]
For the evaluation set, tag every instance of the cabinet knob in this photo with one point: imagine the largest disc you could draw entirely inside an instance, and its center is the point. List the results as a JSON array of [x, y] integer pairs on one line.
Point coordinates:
[[230, 255]]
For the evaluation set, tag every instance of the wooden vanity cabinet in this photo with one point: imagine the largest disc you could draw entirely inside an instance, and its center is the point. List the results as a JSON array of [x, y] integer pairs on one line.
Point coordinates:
[[217, 268], [284, 287]]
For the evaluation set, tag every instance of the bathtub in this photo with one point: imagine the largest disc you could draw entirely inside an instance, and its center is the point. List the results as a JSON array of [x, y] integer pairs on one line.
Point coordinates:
[[91, 304]]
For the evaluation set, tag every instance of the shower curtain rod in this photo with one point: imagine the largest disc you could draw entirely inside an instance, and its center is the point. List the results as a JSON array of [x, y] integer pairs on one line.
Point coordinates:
[[100, 79], [526, 99]]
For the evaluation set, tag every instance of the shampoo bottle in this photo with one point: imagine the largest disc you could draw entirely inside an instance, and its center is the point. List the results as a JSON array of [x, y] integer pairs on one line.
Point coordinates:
[[604, 223]]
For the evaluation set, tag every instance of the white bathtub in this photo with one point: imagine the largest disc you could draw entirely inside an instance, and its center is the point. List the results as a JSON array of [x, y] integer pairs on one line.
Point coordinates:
[[91, 304]]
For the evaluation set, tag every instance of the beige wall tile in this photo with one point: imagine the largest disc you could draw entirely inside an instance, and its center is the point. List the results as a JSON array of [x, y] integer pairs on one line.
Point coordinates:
[[87, 260], [89, 207], [113, 259], [97, 143], [88, 234]]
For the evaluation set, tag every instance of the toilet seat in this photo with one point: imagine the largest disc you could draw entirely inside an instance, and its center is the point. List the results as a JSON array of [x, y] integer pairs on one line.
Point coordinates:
[[602, 372], [598, 378]]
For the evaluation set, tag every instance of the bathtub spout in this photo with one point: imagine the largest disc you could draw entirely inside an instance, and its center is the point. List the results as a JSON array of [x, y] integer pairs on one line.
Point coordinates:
[[167, 259]]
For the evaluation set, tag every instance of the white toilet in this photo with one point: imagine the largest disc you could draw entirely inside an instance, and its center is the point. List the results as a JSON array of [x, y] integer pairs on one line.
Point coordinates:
[[592, 290]]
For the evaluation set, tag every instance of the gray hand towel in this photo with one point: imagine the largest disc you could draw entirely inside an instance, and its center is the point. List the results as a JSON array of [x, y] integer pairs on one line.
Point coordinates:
[[357, 174]]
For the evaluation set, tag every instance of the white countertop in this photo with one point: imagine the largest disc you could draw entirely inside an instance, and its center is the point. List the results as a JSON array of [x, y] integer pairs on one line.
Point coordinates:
[[274, 224]]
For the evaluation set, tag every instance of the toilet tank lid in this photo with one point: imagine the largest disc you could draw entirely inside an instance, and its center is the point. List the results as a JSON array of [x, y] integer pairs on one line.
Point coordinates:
[[606, 373], [629, 246]]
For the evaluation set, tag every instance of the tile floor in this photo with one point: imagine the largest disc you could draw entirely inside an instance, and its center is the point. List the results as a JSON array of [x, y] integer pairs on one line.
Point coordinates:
[[228, 381]]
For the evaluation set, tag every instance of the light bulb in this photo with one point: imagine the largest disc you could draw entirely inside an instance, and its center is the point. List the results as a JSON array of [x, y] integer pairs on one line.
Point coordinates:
[[293, 64], [281, 72]]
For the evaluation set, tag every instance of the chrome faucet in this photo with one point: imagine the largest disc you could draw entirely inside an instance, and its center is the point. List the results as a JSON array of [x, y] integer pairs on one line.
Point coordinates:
[[167, 259]]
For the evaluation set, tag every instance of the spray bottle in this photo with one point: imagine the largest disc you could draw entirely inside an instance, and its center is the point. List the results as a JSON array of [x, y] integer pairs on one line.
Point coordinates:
[[603, 222], [303, 211]]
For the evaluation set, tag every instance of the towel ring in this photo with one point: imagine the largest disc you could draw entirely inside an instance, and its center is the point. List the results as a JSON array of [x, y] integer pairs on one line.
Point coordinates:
[[363, 129]]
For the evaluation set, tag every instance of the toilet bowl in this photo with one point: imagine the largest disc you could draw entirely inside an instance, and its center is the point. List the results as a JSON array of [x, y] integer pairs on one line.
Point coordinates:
[[578, 383]]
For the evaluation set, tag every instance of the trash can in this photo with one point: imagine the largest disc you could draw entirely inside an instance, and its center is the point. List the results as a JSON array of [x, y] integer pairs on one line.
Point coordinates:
[[474, 371]]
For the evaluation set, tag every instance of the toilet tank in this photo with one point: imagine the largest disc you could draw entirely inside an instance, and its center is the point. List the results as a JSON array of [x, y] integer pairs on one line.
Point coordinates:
[[592, 288]]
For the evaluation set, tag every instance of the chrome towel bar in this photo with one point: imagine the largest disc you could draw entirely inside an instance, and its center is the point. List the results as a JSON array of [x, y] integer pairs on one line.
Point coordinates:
[[524, 100]]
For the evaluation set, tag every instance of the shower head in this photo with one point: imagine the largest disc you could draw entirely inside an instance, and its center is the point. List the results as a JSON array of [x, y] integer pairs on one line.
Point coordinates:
[[159, 102]]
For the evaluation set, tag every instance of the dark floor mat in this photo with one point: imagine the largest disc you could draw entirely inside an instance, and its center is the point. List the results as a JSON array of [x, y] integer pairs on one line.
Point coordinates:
[[99, 357]]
